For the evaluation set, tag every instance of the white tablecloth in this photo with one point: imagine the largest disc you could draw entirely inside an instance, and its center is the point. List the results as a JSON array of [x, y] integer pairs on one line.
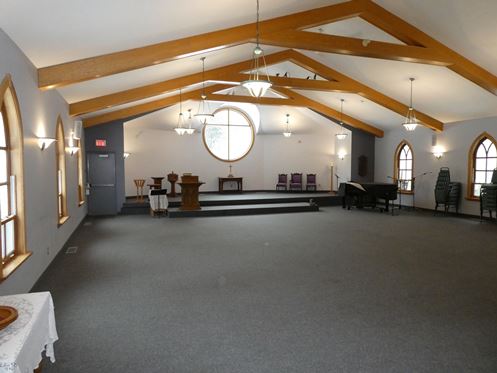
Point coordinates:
[[23, 341], [158, 202]]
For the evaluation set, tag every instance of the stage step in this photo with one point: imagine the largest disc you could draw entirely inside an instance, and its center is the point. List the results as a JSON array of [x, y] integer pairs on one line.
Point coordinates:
[[132, 207], [256, 209]]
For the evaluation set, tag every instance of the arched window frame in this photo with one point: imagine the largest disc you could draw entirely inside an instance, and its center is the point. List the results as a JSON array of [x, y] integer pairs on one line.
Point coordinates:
[[252, 131], [60, 175], [409, 188], [472, 164], [9, 106]]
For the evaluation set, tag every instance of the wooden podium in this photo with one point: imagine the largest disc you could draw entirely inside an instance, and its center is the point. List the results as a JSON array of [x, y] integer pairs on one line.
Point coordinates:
[[189, 193]]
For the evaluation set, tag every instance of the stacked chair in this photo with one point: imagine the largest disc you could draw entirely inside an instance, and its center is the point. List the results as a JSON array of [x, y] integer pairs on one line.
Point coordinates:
[[447, 193], [488, 196]]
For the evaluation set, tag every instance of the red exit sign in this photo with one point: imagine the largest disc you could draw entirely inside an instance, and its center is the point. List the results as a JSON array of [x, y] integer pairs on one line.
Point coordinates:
[[101, 143]]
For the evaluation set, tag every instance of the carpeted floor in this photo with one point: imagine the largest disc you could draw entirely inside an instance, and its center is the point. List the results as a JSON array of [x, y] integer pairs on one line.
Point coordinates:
[[333, 291]]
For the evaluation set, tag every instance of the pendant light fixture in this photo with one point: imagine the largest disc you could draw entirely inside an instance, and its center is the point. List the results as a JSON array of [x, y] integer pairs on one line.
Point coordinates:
[[204, 112], [256, 85], [180, 128], [190, 130], [342, 135], [410, 123], [287, 132]]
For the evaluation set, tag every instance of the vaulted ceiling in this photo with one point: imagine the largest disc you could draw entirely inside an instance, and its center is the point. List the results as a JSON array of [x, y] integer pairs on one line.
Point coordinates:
[[55, 32]]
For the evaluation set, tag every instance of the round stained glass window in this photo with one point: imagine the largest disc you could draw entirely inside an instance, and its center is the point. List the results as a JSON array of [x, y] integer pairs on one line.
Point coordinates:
[[229, 136]]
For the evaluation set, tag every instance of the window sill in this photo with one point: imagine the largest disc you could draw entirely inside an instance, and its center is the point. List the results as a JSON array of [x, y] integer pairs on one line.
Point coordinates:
[[408, 192], [62, 220], [474, 199], [81, 203], [15, 263]]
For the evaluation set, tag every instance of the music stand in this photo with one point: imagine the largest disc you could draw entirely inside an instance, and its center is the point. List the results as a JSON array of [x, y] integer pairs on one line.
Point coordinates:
[[158, 193]]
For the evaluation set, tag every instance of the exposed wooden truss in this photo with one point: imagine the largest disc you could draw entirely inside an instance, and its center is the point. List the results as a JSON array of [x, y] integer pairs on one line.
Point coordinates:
[[292, 99], [284, 31], [335, 82]]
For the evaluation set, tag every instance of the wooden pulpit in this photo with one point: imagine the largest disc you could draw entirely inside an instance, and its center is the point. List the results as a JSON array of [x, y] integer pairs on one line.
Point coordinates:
[[189, 192]]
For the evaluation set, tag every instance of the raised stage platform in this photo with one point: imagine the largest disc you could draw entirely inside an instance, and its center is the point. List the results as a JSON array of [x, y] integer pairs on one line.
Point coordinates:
[[247, 203]]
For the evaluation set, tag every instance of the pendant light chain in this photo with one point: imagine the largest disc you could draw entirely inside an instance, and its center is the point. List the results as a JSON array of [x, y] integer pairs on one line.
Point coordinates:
[[411, 92], [342, 135], [257, 25], [203, 79]]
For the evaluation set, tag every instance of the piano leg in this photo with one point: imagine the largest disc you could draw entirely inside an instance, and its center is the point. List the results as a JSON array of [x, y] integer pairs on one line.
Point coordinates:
[[386, 204]]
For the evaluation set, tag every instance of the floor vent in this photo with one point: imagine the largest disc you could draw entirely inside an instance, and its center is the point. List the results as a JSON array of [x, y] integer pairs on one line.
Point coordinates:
[[87, 223], [72, 250]]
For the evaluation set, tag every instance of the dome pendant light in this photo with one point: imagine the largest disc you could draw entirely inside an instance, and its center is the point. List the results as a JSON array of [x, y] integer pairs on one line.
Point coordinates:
[[256, 85], [204, 113], [180, 128], [410, 122], [342, 135], [287, 132]]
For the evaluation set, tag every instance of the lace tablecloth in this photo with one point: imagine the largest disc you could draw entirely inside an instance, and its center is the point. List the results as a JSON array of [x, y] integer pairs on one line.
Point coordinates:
[[158, 202], [23, 341]]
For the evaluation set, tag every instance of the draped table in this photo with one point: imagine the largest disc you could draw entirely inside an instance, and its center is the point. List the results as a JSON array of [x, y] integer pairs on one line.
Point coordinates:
[[23, 341]]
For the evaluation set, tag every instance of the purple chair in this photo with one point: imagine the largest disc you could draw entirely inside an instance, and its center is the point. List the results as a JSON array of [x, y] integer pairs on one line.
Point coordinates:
[[296, 182], [282, 182], [311, 183]]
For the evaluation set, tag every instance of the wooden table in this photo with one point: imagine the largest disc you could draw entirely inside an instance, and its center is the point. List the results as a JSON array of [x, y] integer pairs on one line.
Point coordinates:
[[239, 184]]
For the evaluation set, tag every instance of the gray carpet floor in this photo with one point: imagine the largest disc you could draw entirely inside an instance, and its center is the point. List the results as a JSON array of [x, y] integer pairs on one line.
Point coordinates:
[[332, 291]]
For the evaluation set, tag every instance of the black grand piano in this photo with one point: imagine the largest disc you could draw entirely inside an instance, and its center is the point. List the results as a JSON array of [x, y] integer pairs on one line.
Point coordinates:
[[367, 194]]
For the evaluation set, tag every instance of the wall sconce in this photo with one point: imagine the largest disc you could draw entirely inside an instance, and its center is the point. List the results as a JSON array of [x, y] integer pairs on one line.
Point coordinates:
[[45, 142], [72, 150], [126, 155], [438, 152], [341, 155]]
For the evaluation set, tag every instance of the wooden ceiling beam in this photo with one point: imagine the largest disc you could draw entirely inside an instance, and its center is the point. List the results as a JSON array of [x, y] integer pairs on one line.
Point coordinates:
[[354, 47], [132, 59], [326, 110], [271, 101], [411, 35], [362, 89], [148, 106], [155, 89]]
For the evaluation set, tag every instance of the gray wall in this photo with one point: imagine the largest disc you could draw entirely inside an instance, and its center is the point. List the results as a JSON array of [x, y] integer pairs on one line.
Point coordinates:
[[39, 111], [363, 144], [113, 133]]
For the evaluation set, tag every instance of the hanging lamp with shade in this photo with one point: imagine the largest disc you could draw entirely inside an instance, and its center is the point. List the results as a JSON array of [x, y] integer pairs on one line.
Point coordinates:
[[204, 113], [287, 132], [410, 122], [342, 135], [180, 127], [256, 84]]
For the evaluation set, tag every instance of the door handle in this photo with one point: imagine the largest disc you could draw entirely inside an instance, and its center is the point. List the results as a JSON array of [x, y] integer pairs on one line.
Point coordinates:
[[102, 185]]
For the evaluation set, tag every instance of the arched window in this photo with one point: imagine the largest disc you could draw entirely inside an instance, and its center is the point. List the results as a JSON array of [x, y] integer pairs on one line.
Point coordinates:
[[229, 136], [60, 154], [403, 166], [482, 162], [12, 225]]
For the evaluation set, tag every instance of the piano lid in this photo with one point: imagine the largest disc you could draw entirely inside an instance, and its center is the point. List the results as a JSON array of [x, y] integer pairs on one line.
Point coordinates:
[[356, 185]]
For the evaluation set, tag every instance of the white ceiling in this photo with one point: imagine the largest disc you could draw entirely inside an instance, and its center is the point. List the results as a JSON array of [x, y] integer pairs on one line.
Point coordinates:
[[55, 31]]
